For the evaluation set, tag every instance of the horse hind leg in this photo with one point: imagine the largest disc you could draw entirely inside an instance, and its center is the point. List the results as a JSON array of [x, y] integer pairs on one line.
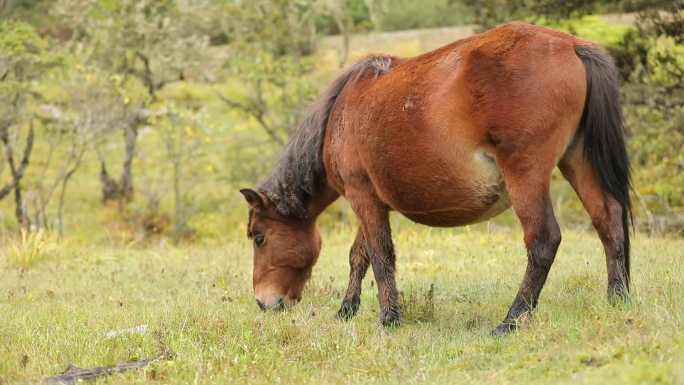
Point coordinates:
[[527, 175], [358, 263], [606, 216], [531, 201]]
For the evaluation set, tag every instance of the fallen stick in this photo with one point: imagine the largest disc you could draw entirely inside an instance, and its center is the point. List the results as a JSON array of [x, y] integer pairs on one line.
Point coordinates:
[[73, 374]]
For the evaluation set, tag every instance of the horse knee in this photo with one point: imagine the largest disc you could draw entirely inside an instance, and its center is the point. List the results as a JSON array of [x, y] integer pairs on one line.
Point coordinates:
[[555, 237]]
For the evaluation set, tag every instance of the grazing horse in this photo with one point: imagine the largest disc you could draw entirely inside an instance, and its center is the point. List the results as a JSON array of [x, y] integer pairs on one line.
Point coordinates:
[[448, 138]]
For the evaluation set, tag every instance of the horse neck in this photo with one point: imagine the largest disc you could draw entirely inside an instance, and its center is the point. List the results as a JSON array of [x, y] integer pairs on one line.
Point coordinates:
[[325, 197]]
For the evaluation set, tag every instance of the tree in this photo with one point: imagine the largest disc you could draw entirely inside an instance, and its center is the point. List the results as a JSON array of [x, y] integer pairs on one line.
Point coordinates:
[[23, 58], [488, 13], [144, 44], [651, 61], [87, 111], [270, 62], [182, 132]]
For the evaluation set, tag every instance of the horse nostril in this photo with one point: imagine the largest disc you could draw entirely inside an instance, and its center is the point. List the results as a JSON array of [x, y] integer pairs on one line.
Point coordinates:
[[261, 305], [280, 305]]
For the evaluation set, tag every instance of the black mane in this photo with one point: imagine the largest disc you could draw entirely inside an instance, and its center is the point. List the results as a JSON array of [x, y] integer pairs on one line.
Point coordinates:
[[297, 174]]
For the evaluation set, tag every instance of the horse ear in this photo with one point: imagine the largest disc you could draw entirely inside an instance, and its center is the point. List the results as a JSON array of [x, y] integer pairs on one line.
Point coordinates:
[[253, 199]]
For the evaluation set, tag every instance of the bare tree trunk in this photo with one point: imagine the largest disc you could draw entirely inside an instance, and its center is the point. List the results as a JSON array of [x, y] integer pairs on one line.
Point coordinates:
[[130, 138], [60, 209], [18, 173], [344, 23], [110, 187], [65, 181], [121, 190], [376, 11], [179, 220], [20, 211]]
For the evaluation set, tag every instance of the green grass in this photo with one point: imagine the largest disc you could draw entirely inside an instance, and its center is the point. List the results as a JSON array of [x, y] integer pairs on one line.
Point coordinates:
[[197, 301]]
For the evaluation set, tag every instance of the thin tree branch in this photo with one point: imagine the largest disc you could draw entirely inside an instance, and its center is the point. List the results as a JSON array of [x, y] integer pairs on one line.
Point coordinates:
[[255, 112], [6, 189], [74, 374], [147, 77]]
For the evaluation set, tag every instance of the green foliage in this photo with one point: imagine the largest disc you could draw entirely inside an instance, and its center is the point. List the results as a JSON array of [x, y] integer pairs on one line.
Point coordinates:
[[645, 5], [651, 60], [271, 42], [152, 41], [23, 59], [23, 55], [488, 13], [408, 14], [591, 27], [356, 10], [666, 59], [18, 39], [82, 108], [275, 26], [25, 4], [34, 12]]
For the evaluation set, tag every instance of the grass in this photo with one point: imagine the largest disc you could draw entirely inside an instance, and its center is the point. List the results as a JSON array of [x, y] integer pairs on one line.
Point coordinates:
[[456, 285]]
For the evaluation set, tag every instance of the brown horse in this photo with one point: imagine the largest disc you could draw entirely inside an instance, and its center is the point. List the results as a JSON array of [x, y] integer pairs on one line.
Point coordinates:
[[448, 138]]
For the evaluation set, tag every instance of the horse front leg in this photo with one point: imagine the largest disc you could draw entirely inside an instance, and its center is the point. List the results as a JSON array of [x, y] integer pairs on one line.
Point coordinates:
[[377, 235], [358, 263]]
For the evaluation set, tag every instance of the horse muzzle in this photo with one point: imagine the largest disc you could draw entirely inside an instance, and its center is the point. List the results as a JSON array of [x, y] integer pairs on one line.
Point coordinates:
[[278, 305]]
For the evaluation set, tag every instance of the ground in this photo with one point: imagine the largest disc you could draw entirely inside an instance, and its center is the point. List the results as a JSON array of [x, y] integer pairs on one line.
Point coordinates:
[[58, 302]]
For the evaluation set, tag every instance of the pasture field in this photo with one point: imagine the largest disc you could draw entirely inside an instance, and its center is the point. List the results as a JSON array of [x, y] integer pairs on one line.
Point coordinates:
[[58, 301]]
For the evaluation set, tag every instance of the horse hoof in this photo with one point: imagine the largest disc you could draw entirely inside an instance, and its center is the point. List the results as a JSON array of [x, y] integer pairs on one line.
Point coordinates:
[[503, 329], [618, 295], [344, 315], [347, 310], [391, 318]]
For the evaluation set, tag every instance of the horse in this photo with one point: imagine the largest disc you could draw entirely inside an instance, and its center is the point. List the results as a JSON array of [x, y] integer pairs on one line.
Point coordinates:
[[449, 138]]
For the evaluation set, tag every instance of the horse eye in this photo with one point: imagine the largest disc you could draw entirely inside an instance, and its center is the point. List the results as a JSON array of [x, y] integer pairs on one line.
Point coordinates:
[[259, 239]]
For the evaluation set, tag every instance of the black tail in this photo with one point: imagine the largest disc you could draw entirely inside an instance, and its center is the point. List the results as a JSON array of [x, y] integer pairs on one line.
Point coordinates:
[[604, 142]]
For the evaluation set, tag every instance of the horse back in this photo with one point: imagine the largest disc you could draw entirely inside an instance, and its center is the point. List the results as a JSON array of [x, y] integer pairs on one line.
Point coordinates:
[[429, 135]]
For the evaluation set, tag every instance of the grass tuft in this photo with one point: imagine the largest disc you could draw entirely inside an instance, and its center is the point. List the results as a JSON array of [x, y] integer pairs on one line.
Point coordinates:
[[417, 306], [33, 247]]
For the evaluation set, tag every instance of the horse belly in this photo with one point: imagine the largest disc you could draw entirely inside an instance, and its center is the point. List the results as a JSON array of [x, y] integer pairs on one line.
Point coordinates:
[[458, 193]]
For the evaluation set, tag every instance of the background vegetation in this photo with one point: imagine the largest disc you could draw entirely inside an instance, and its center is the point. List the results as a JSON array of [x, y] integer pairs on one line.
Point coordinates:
[[127, 128], [164, 109]]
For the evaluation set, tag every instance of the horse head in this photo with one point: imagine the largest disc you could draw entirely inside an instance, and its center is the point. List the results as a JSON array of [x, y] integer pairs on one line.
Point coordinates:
[[285, 251]]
